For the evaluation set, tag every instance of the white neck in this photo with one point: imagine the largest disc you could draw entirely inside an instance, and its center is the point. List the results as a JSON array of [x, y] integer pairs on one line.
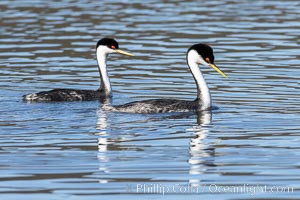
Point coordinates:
[[105, 86], [203, 94]]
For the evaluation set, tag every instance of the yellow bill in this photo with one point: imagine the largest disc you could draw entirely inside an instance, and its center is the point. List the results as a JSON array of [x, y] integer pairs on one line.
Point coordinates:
[[123, 52], [218, 70]]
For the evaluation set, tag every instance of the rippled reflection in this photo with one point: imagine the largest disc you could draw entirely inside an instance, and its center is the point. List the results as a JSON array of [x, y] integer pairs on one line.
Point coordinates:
[[201, 154], [102, 143]]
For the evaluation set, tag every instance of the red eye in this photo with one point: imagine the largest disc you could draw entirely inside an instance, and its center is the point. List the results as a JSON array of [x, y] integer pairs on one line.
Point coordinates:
[[207, 60], [113, 47]]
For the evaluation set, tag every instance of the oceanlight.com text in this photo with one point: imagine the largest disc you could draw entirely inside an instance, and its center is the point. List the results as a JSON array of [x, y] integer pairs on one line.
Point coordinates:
[[209, 188]]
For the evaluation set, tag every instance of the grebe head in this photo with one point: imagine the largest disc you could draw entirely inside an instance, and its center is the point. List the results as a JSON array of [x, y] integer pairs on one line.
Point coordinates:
[[109, 45], [203, 54]]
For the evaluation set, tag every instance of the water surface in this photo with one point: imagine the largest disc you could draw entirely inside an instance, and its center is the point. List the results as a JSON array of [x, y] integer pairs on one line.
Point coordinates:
[[77, 150]]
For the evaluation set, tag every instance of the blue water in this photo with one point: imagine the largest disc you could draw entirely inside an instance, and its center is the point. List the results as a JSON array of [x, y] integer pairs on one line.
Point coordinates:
[[247, 149]]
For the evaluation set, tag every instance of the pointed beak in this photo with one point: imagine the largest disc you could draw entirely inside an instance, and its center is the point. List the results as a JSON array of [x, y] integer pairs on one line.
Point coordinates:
[[217, 69], [123, 52]]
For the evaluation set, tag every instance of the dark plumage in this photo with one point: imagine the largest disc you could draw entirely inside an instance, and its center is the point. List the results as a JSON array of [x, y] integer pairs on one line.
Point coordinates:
[[109, 42], [157, 106], [65, 95]]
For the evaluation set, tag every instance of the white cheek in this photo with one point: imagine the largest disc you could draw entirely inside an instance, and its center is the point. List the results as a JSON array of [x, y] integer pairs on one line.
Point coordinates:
[[105, 49], [195, 57]]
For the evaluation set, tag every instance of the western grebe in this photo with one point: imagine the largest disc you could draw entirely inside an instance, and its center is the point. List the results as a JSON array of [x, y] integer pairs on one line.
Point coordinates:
[[104, 47], [196, 54]]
